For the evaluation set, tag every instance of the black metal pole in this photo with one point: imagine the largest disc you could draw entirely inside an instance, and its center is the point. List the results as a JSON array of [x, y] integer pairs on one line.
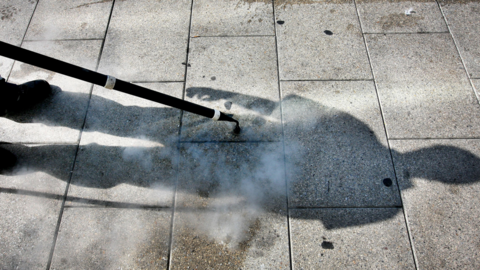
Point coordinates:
[[110, 82]]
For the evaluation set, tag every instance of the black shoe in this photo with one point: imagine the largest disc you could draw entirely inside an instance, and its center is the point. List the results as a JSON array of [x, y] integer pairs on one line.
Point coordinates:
[[23, 96], [7, 160], [32, 93]]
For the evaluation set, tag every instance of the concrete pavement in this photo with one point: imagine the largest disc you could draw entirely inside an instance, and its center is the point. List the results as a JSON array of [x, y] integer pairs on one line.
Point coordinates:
[[360, 143]]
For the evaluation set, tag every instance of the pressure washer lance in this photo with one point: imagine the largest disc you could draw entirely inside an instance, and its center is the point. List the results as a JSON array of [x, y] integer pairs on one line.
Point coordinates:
[[110, 82]]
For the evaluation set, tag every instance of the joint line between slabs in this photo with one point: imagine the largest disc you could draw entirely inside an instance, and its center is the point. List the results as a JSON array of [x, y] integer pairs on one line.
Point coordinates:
[[62, 209], [177, 165], [344, 207], [280, 94], [225, 142], [328, 80], [477, 95], [187, 54], [433, 139], [63, 39], [157, 82], [60, 216], [233, 36], [405, 33], [409, 233], [23, 39]]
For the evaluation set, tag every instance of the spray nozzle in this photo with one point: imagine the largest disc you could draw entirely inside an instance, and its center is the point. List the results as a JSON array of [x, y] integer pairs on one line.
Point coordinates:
[[229, 118]]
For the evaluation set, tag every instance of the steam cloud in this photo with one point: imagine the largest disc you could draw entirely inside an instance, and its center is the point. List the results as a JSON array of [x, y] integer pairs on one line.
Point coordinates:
[[227, 187]]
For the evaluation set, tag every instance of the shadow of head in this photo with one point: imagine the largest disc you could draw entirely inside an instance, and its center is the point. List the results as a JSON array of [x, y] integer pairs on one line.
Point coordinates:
[[446, 164]]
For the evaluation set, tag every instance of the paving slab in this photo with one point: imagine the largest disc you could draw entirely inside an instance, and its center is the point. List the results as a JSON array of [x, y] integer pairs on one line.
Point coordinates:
[[31, 196], [60, 117], [440, 185], [235, 75], [232, 18], [400, 16], [128, 149], [423, 88], [463, 19], [15, 16], [320, 40], [147, 41], [80, 19], [118, 114], [6, 65], [109, 238], [231, 207], [132, 172], [330, 239], [336, 148]]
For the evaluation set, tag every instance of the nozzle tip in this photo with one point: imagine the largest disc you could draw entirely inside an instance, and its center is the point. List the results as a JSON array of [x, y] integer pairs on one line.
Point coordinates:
[[237, 129]]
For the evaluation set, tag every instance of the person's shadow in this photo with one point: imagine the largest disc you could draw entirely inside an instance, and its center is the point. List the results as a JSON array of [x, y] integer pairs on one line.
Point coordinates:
[[335, 160], [332, 158], [68, 109]]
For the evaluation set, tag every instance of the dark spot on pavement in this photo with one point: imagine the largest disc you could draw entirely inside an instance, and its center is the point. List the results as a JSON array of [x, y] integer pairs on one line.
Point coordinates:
[[327, 245], [387, 182], [8, 12], [328, 32], [213, 78], [280, 22]]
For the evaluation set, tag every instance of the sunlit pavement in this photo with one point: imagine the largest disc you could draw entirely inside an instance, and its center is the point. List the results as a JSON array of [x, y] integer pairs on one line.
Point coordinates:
[[360, 142]]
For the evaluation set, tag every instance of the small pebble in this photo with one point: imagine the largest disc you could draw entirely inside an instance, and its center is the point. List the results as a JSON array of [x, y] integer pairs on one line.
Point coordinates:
[[228, 105]]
